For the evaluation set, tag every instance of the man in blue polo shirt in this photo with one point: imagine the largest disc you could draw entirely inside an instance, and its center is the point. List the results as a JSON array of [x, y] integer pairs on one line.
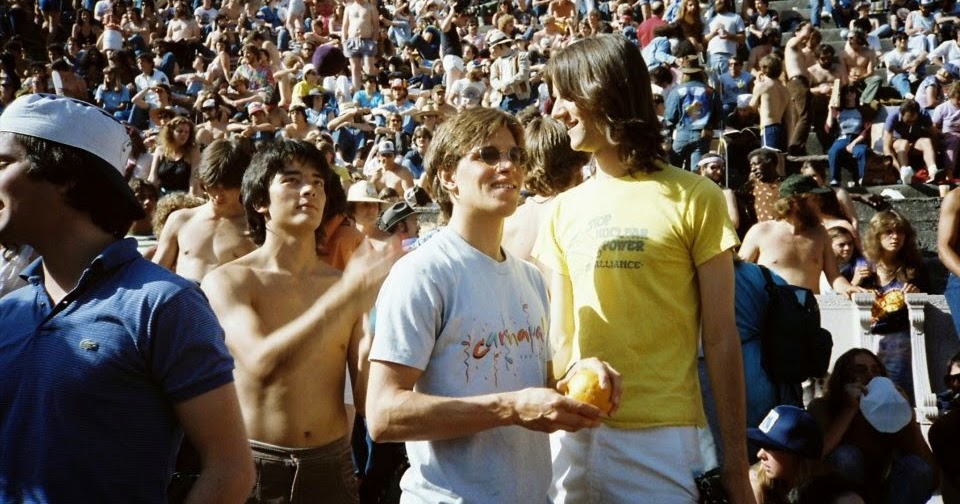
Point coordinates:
[[107, 358]]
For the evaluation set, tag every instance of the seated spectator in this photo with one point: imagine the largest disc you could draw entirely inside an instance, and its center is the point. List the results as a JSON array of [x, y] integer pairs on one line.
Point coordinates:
[[889, 467], [931, 91], [363, 206], [946, 120], [177, 158], [846, 250], [844, 198], [860, 62], [904, 66], [906, 132], [790, 443], [795, 244], [762, 19], [299, 128], [828, 488], [853, 136], [113, 96], [949, 399], [413, 159]]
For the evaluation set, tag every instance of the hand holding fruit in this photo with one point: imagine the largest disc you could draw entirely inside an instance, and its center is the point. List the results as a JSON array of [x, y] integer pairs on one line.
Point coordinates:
[[594, 382]]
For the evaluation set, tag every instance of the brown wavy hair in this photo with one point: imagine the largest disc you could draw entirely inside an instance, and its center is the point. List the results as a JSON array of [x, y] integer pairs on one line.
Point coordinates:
[[606, 77], [909, 258]]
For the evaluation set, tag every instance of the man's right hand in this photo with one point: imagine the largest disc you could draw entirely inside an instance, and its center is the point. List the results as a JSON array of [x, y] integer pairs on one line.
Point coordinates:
[[546, 410]]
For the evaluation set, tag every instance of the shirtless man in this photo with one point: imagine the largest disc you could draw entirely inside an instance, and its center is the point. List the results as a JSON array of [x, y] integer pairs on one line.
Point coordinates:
[[194, 241], [948, 249], [293, 323], [798, 86], [361, 26], [390, 173], [859, 62], [796, 245], [772, 100], [215, 126], [823, 73]]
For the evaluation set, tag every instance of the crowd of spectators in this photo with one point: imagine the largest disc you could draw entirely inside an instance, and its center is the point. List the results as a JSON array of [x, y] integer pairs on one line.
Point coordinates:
[[733, 76]]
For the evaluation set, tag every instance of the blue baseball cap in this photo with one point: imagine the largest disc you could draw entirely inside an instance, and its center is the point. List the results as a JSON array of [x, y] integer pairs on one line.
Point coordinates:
[[789, 429]]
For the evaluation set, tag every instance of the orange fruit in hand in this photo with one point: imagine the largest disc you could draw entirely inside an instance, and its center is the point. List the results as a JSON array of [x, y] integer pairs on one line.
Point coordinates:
[[584, 386]]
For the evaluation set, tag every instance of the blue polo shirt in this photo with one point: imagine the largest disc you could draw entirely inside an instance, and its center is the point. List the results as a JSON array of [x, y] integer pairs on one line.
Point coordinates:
[[88, 387]]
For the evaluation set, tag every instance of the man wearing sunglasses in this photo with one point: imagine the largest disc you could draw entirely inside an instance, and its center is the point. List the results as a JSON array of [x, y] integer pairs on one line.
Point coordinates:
[[459, 364]]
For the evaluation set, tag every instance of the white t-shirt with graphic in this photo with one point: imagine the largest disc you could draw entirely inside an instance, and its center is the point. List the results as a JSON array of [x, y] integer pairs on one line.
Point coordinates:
[[474, 326]]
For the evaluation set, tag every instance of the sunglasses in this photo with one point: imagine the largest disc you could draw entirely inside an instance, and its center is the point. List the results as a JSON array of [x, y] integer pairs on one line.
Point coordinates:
[[492, 156], [951, 378]]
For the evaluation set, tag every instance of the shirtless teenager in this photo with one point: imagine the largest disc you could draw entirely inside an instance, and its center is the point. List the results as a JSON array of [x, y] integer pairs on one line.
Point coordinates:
[[772, 101], [196, 240], [292, 322], [796, 245], [798, 85], [361, 26], [390, 173]]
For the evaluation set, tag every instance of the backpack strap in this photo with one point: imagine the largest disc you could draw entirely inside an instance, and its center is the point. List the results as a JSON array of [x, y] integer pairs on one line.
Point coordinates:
[[770, 284]]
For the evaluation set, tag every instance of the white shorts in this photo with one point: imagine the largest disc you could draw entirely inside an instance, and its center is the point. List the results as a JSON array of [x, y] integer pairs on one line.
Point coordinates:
[[610, 466], [451, 61]]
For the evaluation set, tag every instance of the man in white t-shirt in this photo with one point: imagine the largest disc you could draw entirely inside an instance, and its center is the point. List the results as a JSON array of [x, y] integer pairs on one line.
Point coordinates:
[[468, 92], [206, 13], [723, 34], [460, 366]]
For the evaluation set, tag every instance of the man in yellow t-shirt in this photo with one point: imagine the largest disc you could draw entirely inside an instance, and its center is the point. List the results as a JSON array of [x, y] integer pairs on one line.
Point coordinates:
[[641, 260]]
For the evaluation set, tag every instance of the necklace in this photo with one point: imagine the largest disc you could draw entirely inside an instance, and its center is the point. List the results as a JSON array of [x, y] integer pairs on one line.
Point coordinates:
[[886, 270]]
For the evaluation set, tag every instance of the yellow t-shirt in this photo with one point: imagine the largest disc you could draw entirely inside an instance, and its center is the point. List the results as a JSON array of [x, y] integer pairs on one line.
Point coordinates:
[[631, 247]]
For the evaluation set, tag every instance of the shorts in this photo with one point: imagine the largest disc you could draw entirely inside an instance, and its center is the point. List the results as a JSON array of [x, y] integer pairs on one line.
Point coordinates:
[[452, 61], [614, 466], [357, 47], [304, 475]]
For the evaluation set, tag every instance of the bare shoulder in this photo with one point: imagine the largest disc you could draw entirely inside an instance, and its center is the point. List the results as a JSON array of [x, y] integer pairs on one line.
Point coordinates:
[[234, 276], [178, 218]]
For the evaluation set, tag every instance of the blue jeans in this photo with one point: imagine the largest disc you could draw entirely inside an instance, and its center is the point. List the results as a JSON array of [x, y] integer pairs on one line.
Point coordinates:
[[513, 104], [952, 293], [719, 62], [910, 480], [688, 146], [838, 154], [901, 82], [817, 9]]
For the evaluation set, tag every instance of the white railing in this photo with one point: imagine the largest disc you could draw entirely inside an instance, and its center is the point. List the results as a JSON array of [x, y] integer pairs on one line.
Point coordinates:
[[931, 327]]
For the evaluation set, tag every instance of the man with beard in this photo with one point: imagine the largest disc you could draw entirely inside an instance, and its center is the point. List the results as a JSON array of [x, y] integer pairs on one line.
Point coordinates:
[[215, 126], [795, 245]]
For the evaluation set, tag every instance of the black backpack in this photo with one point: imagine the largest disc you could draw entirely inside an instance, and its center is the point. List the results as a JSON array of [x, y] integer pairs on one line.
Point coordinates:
[[793, 346]]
